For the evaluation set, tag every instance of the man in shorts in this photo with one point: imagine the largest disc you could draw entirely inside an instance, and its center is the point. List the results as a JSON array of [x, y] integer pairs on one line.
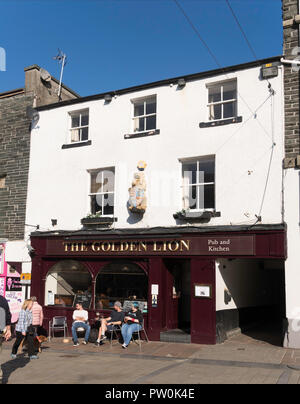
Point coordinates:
[[108, 324]]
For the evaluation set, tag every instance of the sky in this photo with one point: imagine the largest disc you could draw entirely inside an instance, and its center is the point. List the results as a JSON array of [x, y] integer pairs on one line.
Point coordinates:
[[114, 44]]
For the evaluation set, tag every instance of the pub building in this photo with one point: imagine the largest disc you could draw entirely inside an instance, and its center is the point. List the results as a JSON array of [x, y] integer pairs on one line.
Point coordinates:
[[164, 194], [173, 272]]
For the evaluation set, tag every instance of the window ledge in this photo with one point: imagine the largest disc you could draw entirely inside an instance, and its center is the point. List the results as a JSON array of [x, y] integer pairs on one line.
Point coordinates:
[[221, 122], [204, 216], [142, 134], [98, 221], [79, 144]]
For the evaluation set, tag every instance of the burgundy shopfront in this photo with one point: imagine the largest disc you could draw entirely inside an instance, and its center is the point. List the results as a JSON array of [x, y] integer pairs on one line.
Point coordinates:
[[160, 254]]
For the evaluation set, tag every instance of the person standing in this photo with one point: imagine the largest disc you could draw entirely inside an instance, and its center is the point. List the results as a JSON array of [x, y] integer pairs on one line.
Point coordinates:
[[133, 323], [24, 330], [37, 315], [5, 325]]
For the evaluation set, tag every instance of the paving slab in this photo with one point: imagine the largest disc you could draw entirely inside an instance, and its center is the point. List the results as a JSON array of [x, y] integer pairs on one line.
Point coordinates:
[[237, 361]]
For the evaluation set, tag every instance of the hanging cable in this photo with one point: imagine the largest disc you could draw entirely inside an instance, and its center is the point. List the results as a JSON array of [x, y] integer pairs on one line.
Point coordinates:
[[181, 9], [243, 33], [271, 157], [241, 29]]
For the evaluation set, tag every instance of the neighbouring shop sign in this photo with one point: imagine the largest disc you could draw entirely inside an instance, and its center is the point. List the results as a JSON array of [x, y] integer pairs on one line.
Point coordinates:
[[231, 245]]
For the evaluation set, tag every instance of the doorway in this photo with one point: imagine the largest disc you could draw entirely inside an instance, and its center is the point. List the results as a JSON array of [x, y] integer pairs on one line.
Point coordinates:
[[251, 299], [177, 313]]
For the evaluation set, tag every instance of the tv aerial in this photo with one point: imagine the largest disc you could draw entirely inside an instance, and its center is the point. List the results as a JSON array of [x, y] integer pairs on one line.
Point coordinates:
[[62, 60]]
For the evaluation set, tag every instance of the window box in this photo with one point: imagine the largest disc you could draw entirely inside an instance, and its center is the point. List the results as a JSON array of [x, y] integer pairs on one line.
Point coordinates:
[[79, 144], [142, 134], [221, 122], [98, 221], [189, 216]]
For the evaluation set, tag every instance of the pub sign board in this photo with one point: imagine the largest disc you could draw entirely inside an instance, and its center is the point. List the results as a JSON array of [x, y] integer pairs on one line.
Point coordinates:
[[207, 246]]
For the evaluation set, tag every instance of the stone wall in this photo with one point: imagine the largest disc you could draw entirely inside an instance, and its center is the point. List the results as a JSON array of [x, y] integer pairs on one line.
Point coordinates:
[[15, 147], [290, 11], [14, 163]]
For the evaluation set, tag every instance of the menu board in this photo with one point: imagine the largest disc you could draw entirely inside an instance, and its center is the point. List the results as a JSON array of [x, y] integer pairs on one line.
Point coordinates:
[[85, 300]]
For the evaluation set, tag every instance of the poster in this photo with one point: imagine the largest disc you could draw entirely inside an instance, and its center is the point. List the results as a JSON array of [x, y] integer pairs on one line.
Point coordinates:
[[2, 286], [13, 284], [15, 303]]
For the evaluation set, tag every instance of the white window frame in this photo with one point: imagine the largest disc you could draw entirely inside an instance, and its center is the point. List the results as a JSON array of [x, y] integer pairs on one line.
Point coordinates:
[[197, 184], [91, 194], [144, 116], [79, 113], [222, 102]]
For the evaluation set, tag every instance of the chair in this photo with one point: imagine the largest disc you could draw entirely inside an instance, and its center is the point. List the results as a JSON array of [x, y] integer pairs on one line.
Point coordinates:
[[58, 324], [139, 336], [114, 331]]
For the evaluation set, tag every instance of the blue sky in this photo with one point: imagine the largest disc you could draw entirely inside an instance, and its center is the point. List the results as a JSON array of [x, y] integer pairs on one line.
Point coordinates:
[[113, 44]]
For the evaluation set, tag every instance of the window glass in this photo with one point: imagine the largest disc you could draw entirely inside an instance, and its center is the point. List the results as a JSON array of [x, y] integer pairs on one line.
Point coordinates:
[[75, 135], [199, 184], [214, 94], [84, 120], [103, 185], [219, 99], [209, 196], [208, 168], [229, 91], [139, 109], [84, 134], [64, 281], [75, 121], [151, 122], [144, 118], [215, 112], [151, 107], [96, 182], [120, 281], [229, 110], [190, 172], [108, 204]]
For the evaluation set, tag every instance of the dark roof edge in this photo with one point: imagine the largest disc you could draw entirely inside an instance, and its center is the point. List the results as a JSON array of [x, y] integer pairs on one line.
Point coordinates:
[[188, 77], [11, 93], [158, 231]]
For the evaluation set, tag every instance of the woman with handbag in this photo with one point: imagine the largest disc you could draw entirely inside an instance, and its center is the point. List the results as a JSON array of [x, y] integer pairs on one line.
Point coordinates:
[[24, 329]]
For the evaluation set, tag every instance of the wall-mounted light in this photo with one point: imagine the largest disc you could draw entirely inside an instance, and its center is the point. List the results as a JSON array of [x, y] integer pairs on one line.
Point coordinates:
[[181, 83], [107, 98], [54, 222]]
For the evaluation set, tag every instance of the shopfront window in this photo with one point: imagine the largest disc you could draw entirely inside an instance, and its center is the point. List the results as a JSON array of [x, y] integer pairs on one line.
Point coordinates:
[[67, 282], [123, 282]]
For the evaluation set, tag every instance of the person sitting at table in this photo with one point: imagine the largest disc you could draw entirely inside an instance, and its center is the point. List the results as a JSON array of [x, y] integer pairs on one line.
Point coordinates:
[[80, 317], [107, 324], [133, 322]]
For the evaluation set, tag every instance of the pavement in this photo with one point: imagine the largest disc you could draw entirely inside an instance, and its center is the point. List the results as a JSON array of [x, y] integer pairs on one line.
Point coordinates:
[[240, 360]]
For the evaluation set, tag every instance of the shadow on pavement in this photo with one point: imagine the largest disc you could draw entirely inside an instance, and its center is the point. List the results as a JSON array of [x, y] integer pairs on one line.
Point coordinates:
[[271, 333], [10, 366]]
